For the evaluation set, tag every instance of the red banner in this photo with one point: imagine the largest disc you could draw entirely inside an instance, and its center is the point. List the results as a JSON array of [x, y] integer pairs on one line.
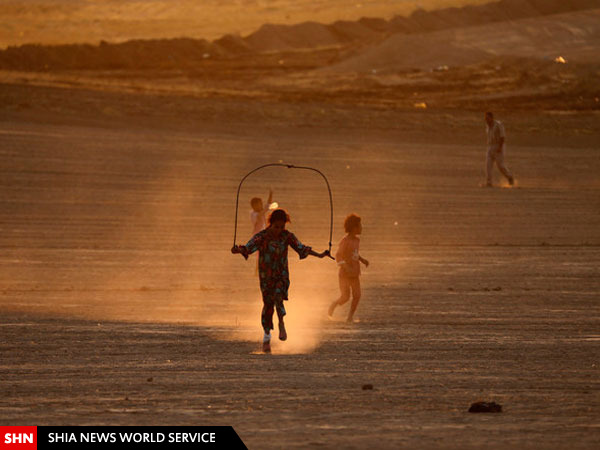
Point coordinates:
[[18, 438]]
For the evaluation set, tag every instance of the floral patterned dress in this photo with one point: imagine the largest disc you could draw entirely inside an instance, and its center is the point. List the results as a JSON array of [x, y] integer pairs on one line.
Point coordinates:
[[273, 272]]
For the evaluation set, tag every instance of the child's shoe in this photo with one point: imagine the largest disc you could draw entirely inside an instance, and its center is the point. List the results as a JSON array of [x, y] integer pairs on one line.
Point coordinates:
[[266, 347]]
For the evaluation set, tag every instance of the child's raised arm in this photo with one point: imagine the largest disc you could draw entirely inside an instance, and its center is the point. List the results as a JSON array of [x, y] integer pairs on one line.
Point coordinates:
[[266, 206]]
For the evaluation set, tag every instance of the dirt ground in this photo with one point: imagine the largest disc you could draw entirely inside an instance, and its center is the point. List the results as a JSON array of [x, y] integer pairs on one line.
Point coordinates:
[[121, 304]]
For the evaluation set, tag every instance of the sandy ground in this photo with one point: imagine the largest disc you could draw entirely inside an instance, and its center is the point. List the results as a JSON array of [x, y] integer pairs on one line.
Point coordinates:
[[121, 304]]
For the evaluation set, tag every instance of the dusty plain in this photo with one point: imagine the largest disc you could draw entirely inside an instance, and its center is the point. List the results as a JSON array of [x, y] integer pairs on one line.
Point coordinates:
[[120, 303]]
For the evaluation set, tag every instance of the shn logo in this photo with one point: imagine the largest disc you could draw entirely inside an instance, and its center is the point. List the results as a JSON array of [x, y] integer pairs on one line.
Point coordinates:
[[18, 438]]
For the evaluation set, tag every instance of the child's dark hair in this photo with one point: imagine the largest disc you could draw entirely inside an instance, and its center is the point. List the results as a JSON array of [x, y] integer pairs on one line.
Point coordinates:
[[351, 222], [279, 214]]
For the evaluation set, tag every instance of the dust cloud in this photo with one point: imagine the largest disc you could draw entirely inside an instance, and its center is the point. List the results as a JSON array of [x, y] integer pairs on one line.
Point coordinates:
[[159, 249]]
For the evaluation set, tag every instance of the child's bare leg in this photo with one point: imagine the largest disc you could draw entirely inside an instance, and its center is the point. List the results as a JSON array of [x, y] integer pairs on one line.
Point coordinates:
[[344, 297], [280, 314], [266, 319], [356, 293]]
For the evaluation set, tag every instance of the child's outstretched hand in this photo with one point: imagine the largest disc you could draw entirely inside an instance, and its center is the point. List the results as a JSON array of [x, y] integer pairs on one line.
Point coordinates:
[[320, 255], [326, 253]]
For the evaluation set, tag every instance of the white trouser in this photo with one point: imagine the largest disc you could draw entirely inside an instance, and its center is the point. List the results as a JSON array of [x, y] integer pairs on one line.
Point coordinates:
[[496, 156]]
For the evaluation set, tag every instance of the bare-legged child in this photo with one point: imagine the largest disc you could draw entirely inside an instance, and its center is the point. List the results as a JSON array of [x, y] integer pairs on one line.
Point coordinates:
[[349, 259]]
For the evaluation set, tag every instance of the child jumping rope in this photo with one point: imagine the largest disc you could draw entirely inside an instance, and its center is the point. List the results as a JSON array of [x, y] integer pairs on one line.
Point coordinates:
[[349, 259], [272, 246]]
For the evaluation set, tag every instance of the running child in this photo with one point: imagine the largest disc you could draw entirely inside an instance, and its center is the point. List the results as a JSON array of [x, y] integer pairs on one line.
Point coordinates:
[[348, 260], [272, 246]]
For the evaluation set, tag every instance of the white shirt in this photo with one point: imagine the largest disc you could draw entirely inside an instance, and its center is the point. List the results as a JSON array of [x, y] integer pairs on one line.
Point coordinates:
[[494, 135]]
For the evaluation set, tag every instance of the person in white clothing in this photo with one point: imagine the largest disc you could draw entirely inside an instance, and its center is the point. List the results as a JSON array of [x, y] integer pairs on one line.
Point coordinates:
[[259, 212], [495, 151], [258, 217]]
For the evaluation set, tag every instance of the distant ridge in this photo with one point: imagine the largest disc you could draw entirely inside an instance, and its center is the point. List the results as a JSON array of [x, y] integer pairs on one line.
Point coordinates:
[[574, 35], [274, 38], [185, 53]]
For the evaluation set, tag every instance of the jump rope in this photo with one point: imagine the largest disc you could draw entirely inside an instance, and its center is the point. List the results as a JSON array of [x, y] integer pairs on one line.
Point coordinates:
[[289, 166]]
